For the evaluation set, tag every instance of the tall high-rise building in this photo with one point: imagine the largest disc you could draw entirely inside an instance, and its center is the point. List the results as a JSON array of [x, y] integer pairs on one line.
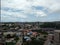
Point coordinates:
[[57, 37]]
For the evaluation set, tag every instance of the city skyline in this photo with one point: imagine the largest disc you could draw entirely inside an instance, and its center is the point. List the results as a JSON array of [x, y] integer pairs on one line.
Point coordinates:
[[30, 10]]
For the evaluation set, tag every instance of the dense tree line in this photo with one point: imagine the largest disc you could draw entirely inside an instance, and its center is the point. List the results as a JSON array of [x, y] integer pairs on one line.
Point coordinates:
[[50, 25]]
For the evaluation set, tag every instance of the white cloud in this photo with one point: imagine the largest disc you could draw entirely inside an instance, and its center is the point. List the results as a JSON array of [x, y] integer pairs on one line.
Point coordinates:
[[40, 13], [16, 4], [26, 5], [52, 5], [13, 14], [20, 4]]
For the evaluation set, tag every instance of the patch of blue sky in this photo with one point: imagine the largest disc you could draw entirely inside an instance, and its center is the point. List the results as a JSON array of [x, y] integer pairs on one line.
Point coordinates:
[[11, 9], [44, 9], [10, 16], [38, 7]]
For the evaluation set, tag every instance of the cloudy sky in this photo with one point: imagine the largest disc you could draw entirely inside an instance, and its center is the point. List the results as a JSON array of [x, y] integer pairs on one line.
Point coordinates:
[[30, 10]]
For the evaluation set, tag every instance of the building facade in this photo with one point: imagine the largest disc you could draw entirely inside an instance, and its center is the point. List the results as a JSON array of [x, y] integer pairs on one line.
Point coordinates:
[[57, 37]]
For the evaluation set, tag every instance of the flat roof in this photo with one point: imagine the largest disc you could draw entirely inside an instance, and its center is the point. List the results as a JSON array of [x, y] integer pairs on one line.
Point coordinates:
[[56, 30]]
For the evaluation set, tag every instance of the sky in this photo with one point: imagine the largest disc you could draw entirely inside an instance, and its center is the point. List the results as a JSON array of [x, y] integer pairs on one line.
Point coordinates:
[[30, 10]]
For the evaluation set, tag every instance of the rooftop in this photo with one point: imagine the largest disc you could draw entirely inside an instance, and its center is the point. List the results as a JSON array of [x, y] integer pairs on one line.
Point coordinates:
[[56, 30]]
